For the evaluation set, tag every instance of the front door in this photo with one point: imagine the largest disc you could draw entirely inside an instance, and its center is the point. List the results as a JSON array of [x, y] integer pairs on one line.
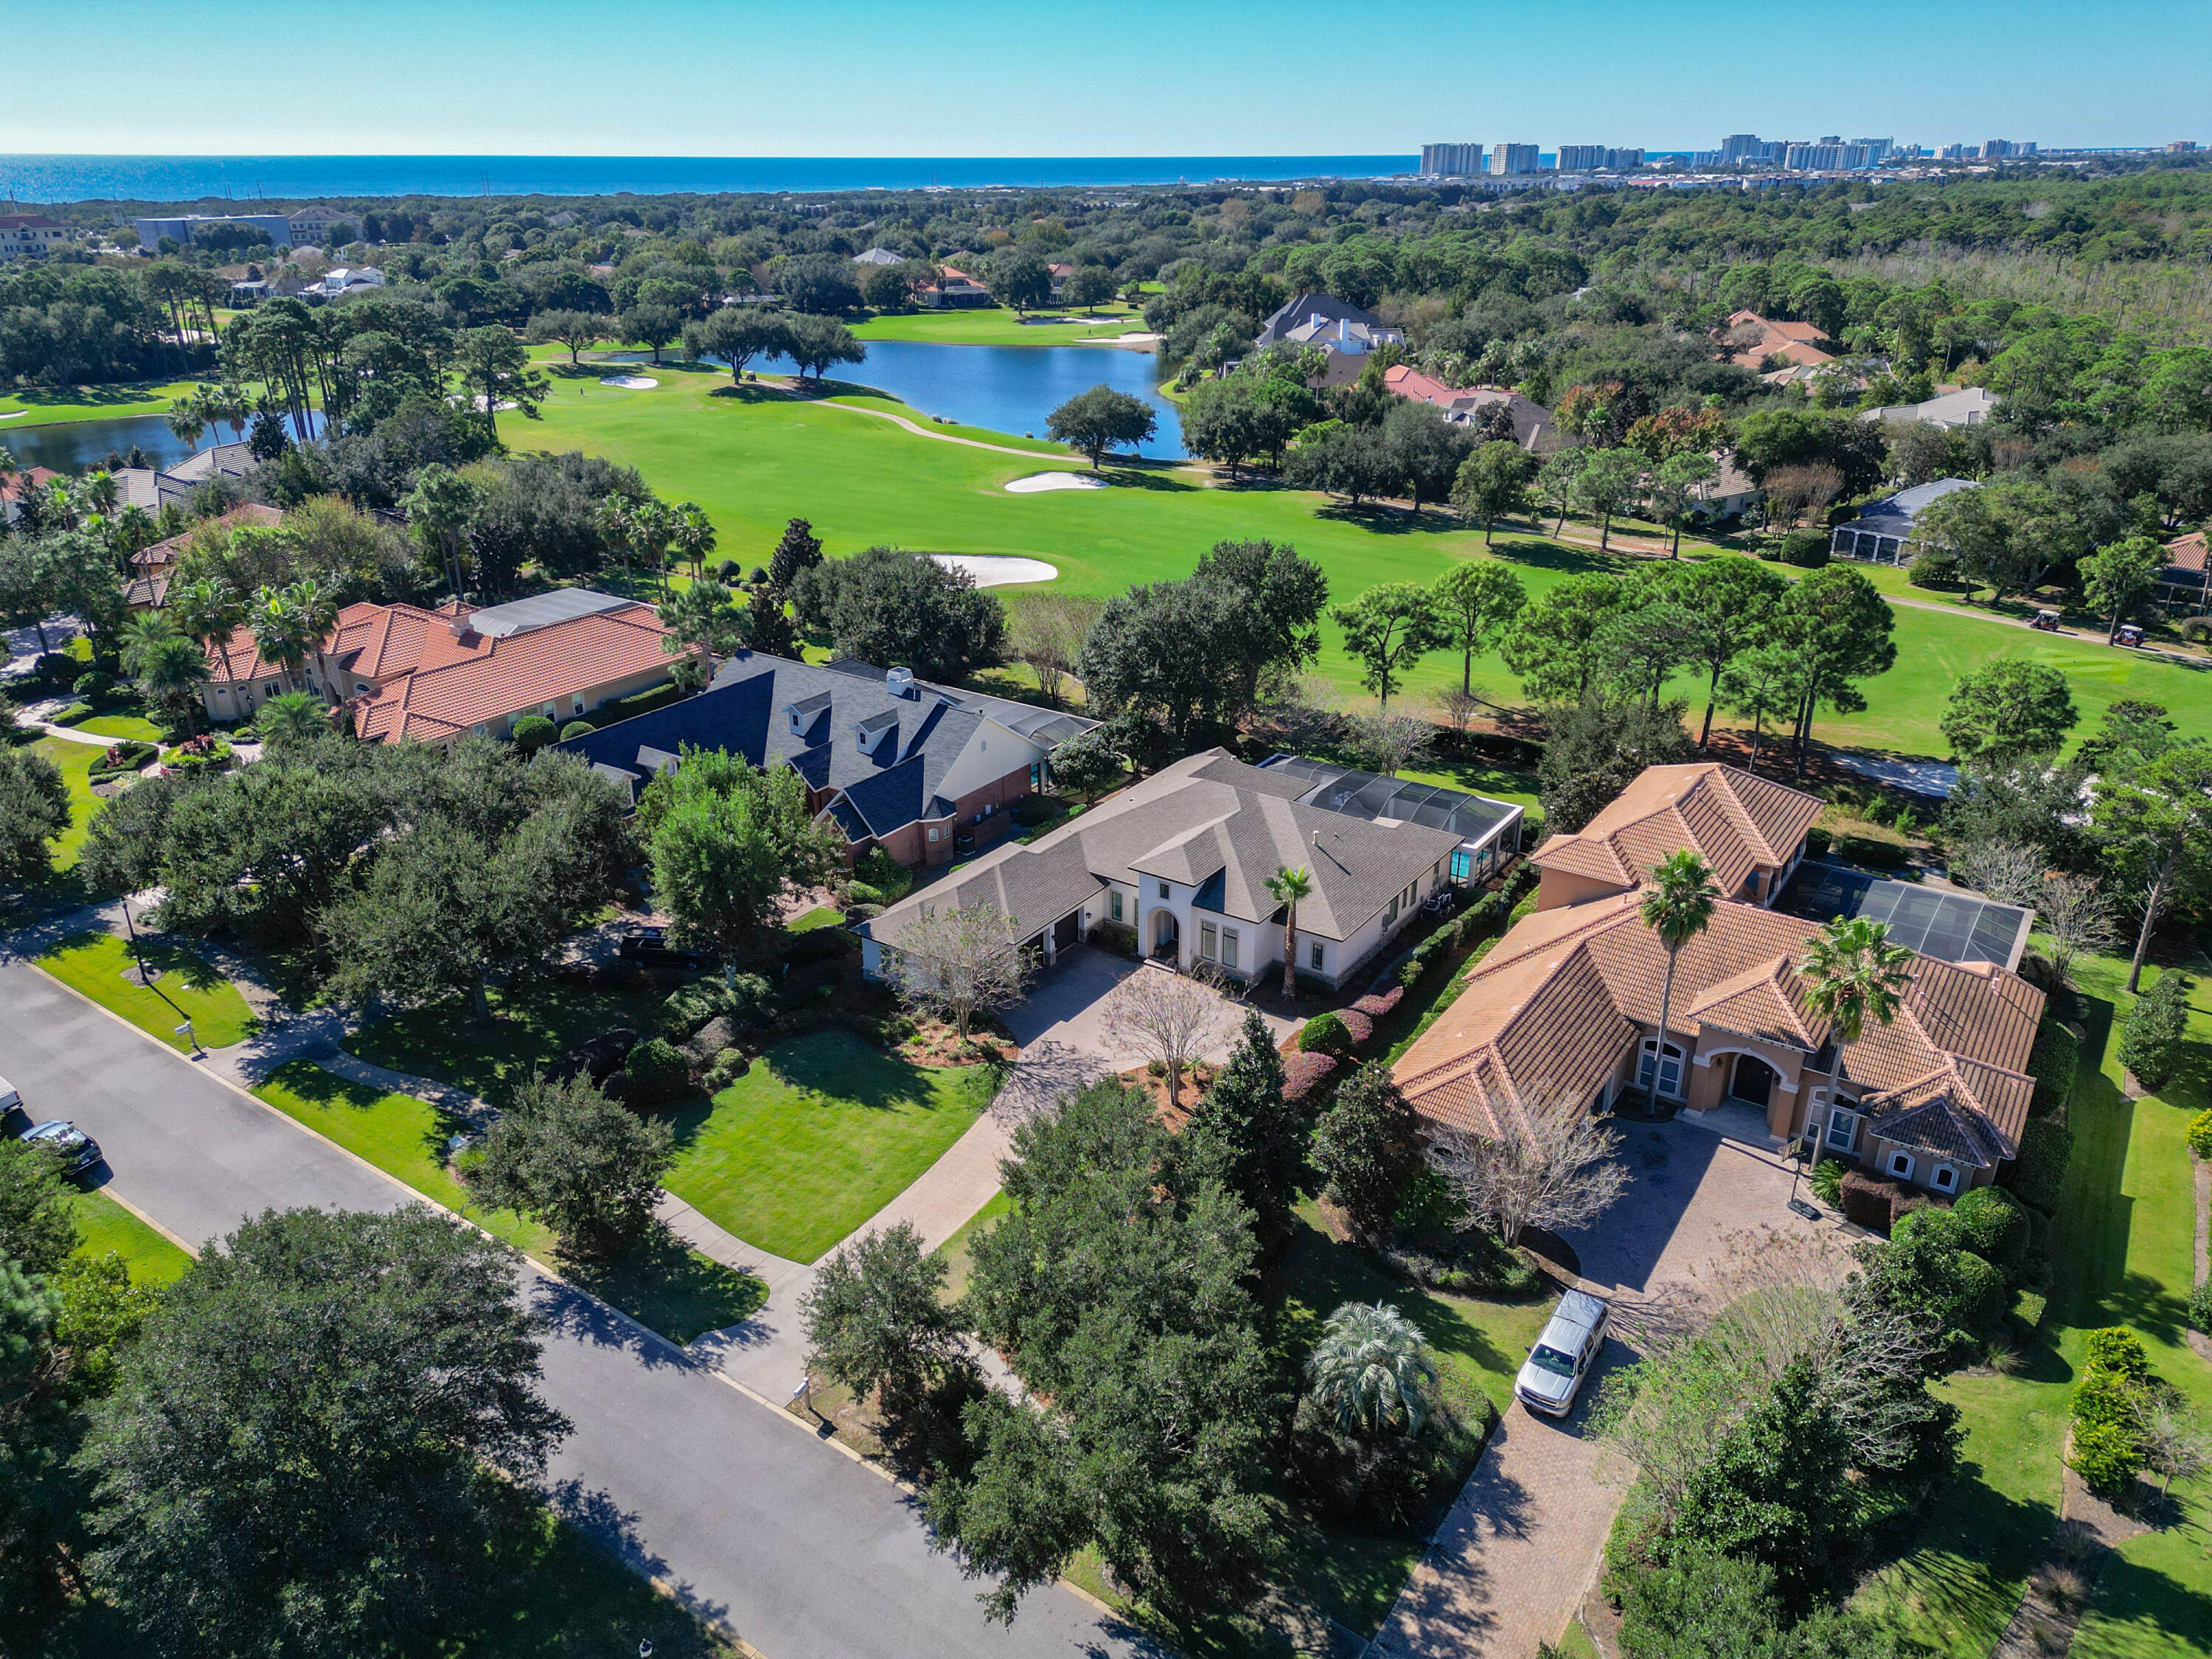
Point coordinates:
[[1753, 1082], [1661, 1074]]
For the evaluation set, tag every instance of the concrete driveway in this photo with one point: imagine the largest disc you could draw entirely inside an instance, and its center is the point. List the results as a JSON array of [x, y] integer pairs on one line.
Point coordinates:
[[1521, 1549], [1065, 1034]]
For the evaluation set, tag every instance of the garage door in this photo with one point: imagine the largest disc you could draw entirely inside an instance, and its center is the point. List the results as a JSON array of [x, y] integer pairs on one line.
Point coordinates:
[[1064, 930]]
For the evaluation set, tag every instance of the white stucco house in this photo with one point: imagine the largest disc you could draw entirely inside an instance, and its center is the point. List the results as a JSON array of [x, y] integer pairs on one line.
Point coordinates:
[[1181, 861]]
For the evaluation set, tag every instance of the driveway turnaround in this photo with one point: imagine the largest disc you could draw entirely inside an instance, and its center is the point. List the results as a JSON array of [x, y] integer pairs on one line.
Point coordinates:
[[805, 1553]]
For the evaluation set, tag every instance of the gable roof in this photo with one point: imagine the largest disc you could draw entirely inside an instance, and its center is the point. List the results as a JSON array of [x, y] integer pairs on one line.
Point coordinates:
[[896, 781], [1534, 429], [1733, 819], [1211, 823], [1304, 310], [1795, 342], [1555, 1005]]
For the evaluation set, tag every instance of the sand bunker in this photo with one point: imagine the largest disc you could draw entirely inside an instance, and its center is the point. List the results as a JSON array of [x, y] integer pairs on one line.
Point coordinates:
[[991, 570], [1037, 481], [629, 382]]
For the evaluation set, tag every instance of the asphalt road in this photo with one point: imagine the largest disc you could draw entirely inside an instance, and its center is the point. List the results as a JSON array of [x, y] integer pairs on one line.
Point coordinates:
[[808, 1554]]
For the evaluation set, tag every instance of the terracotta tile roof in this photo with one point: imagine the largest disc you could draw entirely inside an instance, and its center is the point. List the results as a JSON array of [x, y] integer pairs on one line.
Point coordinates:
[[1793, 341], [431, 682], [1556, 1005], [1735, 820]]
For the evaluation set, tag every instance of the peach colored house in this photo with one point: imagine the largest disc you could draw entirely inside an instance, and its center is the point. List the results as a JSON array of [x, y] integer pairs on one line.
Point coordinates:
[[1567, 1004], [1750, 830]]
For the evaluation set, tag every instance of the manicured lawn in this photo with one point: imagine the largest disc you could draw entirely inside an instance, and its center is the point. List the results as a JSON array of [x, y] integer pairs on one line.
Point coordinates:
[[104, 1227], [955, 1249], [119, 725], [821, 1134], [186, 988], [51, 405], [676, 1290], [74, 762], [821, 916], [2123, 1254], [532, 1025], [990, 325], [755, 460]]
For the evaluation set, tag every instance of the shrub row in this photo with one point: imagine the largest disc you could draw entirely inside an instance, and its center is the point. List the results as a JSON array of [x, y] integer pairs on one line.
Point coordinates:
[[1303, 1072], [2055, 1059]]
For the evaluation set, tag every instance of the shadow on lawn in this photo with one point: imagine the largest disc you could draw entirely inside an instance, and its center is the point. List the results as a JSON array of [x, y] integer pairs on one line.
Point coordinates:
[[1383, 520]]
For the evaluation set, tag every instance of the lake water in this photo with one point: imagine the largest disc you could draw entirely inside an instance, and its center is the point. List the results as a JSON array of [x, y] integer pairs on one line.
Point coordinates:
[[1004, 388], [1008, 388], [79, 445]]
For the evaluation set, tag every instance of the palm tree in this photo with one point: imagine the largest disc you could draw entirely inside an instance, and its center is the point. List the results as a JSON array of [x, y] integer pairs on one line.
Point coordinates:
[[188, 423], [171, 669], [693, 534], [1372, 1370], [280, 633], [1287, 887], [210, 611], [227, 405], [1854, 978], [614, 521], [98, 492], [1678, 906], [318, 610], [292, 717]]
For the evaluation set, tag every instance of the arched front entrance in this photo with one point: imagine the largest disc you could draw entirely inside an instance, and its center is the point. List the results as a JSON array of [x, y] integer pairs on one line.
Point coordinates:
[[1753, 1081], [1166, 936]]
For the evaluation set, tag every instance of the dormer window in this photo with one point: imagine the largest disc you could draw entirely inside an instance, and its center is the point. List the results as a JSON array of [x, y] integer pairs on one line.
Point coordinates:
[[871, 733]]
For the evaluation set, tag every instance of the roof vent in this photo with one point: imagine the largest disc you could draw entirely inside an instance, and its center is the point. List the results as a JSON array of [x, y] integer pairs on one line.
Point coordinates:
[[460, 625], [899, 682]]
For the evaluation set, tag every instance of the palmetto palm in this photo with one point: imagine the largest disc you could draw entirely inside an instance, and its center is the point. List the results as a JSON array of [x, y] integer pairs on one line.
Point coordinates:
[[171, 669], [1287, 887], [280, 634], [143, 631], [291, 718], [1372, 1370], [188, 421], [693, 534], [318, 607], [1854, 978], [98, 492], [1677, 906], [613, 518]]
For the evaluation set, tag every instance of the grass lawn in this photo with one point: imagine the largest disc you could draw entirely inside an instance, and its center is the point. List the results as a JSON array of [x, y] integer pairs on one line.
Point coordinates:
[[2122, 1256], [74, 762], [187, 987], [761, 457], [52, 405], [821, 1134], [991, 325], [119, 725], [955, 1249], [821, 916], [533, 1023], [104, 1227], [677, 1292]]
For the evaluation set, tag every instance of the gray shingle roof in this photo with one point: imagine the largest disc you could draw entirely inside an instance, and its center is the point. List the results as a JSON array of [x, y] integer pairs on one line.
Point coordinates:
[[1209, 821]]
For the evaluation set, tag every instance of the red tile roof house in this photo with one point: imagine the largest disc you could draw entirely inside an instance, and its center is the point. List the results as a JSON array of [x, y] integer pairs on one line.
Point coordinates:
[[954, 287], [16, 485], [410, 674], [1567, 1004], [1755, 339], [1533, 426]]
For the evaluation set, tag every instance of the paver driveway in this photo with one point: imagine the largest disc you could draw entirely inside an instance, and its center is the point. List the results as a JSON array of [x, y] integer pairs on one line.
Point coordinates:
[[1521, 1548]]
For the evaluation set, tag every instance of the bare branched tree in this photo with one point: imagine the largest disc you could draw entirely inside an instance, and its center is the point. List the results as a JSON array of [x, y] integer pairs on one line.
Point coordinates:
[[2006, 870], [1554, 1168], [2175, 1445], [1781, 1300], [951, 963], [2078, 917], [1169, 1017], [1794, 491], [1458, 707], [1048, 630], [1388, 743]]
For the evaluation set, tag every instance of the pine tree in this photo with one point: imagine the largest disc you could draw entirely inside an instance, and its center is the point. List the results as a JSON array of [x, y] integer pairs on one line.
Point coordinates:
[[1365, 1147], [1259, 1130]]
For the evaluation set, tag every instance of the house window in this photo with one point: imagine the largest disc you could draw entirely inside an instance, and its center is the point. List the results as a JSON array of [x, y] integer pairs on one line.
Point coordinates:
[[1901, 1166], [1668, 1069], [1462, 864], [1228, 947], [936, 833], [1843, 1129], [1164, 890], [1390, 914], [1036, 775], [1945, 1180], [579, 701], [1112, 899], [1207, 948], [1314, 956]]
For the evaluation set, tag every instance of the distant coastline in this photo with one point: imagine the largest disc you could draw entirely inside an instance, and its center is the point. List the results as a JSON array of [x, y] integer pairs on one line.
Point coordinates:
[[26, 178]]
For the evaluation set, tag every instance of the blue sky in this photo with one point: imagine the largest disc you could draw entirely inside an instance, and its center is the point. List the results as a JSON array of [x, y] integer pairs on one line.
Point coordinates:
[[982, 78]]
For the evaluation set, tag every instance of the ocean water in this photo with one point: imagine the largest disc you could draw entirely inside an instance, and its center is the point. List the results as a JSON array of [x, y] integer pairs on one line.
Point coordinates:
[[29, 178]]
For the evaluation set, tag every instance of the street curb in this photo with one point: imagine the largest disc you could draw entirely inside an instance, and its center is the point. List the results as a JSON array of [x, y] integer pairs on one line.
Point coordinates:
[[122, 1202]]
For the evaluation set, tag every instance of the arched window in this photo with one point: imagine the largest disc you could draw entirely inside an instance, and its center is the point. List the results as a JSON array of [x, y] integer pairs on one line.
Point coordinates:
[[1945, 1180], [1901, 1166]]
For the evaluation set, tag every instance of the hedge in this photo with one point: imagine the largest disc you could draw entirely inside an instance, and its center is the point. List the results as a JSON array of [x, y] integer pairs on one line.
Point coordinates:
[[1328, 1034], [1866, 1200], [2053, 1063], [690, 1006], [1375, 1007], [1357, 1025], [2200, 1134], [1303, 1072], [657, 1072], [1991, 1224], [2039, 1171]]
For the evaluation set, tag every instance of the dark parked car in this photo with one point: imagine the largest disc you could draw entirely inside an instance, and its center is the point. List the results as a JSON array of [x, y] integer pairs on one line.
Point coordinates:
[[650, 947], [77, 1151]]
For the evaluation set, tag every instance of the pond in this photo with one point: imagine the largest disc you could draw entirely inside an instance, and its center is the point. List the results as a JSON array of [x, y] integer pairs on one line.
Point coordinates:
[[77, 446], [1004, 388]]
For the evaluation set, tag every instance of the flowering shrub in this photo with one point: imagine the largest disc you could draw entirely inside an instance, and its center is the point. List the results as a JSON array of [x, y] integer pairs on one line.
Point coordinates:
[[1376, 1006], [1303, 1072]]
